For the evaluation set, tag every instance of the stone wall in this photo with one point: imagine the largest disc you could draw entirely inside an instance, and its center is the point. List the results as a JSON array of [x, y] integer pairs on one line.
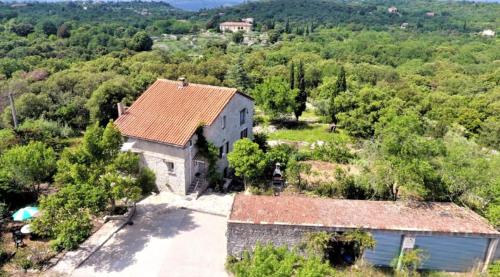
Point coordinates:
[[218, 135], [243, 236], [155, 157]]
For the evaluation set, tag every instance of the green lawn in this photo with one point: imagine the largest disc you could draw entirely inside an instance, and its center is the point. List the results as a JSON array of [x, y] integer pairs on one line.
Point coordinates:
[[308, 133], [310, 115]]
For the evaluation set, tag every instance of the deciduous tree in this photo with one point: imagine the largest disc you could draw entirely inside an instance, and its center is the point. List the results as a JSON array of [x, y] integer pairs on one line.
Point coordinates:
[[275, 97], [247, 160], [141, 42], [29, 166]]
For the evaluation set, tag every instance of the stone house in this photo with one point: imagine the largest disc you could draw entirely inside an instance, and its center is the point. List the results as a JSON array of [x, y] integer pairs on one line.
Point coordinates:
[[235, 27], [392, 9], [488, 33], [453, 238], [161, 127]]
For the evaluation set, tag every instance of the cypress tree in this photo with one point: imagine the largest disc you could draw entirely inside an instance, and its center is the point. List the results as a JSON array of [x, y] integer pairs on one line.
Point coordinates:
[[292, 75], [301, 98], [340, 86], [341, 83]]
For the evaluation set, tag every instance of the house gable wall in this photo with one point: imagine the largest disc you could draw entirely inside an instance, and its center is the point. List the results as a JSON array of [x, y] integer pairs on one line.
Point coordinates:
[[232, 130]]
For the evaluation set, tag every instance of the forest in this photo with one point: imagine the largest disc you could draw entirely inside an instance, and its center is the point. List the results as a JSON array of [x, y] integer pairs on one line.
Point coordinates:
[[416, 109]]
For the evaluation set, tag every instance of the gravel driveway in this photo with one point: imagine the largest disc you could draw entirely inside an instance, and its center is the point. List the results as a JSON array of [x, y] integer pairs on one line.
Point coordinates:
[[166, 240]]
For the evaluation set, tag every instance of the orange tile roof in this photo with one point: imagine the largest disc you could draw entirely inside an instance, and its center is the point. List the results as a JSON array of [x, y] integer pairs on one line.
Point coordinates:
[[233, 23], [352, 214], [168, 112]]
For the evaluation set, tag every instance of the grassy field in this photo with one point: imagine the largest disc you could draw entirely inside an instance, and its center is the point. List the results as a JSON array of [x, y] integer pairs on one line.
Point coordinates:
[[308, 133]]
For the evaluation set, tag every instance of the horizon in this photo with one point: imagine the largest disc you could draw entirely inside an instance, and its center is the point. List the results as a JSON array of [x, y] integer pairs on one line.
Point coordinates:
[[191, 5]]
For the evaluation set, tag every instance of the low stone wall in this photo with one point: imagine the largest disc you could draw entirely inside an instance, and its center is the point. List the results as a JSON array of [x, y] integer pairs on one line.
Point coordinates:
[[245, 236]]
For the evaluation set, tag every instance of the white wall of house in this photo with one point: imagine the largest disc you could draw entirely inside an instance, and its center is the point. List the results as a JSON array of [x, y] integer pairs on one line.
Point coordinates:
[[235, 28], [156, 156], [218, 135]]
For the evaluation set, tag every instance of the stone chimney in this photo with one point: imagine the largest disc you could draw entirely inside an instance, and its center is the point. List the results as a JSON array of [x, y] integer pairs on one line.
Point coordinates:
[[183, 82], [121, 108]]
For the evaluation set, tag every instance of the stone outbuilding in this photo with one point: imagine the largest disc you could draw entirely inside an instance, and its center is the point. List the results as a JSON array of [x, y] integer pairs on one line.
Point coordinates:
[[161, 127], [453, 238]]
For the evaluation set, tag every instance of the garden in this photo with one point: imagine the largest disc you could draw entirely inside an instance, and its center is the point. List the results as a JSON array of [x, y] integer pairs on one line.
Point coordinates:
[[66, 194]]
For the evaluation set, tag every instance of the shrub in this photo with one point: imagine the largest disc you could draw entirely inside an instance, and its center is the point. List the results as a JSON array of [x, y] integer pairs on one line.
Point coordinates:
[[335, 151], [7, 139], [271, 261], [261, 140], [494, 269], [316, 244], [237, 37], [325, 245], [66, 217], [411, 260], [279, 154], [43, 130], [22, 260], [362, 240], [72, 231]]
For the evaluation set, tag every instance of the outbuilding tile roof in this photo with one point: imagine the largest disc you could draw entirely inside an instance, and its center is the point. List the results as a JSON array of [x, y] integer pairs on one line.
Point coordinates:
[[349, 214], [168, 112]]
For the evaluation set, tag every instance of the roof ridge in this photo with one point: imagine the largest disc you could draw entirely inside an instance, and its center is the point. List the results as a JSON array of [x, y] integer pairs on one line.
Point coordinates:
[[199, 85]]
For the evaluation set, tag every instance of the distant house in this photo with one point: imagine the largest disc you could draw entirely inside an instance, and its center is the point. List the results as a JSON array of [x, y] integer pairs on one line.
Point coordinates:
[[248, 20], [161, 126], [18, 5], [453, 238], [488, 33], [404, 25], [430, 14], [392, 9], [231, 26]]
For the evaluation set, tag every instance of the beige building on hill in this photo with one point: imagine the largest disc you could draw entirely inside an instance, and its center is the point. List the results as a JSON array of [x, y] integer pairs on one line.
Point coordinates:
[[488, 33], [235, 27], [392, 10], [161, 127]]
